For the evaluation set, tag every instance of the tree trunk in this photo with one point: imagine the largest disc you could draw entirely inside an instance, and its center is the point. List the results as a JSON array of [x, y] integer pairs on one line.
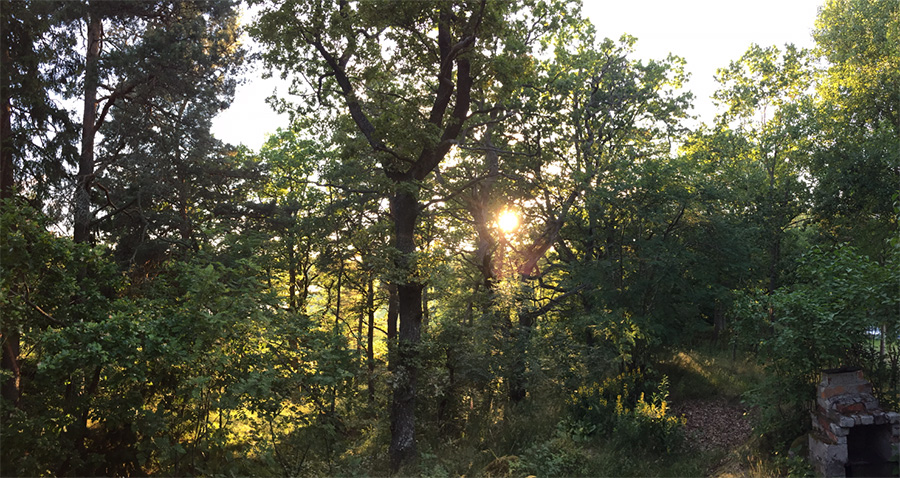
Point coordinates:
[[292, 273], [7, 177], [79, 389], [9, 335], [392, 313], [718, 321], [11, 387], [521, 336], [370, 340], [85, 176], [337, 306], [405, 211]]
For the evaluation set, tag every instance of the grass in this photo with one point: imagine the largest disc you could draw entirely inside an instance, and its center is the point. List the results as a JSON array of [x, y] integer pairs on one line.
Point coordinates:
[[703, 374], [533, 438], [536, 437]]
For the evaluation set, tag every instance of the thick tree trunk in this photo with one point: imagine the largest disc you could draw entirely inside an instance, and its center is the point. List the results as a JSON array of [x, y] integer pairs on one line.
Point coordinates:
[[405, 211], [85, 176]]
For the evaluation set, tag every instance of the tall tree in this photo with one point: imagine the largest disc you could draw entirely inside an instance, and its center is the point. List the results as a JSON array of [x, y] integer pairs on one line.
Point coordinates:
[[36, 133], [856, 163], [409, 93], [32, 157], [764, 100], [150, 67]]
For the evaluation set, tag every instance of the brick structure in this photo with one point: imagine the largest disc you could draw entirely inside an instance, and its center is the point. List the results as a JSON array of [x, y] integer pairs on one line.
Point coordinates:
[[852, 435]]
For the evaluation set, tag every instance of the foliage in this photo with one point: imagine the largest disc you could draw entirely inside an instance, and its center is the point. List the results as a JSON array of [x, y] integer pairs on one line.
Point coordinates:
[[618, 408], [297, 309], [820, 322]]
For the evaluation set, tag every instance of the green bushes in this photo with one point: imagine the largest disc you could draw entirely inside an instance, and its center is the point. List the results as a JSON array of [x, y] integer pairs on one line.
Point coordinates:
[[628, 410], [198, 373], [820, 322]]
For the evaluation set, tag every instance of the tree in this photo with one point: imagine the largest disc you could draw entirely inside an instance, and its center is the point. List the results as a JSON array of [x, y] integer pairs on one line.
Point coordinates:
[[32, 159], [166, 67], [397, 83], [856, 163], [859, 40], [764, 102], [36, 132]]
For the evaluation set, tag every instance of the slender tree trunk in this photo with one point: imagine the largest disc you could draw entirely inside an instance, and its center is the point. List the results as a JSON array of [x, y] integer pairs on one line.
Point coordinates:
[[85, 176], [404, 209], [392, 316], [718, 321], [7, 176], [774, 258], [370, 339], [292, 273], [11, 389], [426, 318], [337, 327], [521, 336], [77, 393], [337, 306], [9, 334]]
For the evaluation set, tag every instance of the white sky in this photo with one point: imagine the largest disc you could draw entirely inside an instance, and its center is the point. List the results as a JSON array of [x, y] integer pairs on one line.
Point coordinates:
[[708, 34]]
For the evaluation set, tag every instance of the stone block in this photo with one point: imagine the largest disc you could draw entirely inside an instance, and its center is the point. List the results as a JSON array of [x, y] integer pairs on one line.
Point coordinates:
[[880, 419], [893, 417], [838, 430], [846, 421], [867, 419], [872, 405], [827, 458]]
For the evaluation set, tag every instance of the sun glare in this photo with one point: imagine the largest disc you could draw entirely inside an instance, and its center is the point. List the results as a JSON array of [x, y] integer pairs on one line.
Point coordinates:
[[508, 221]]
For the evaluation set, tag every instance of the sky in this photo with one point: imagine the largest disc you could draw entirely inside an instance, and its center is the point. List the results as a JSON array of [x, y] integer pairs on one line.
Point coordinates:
[[708, 34]]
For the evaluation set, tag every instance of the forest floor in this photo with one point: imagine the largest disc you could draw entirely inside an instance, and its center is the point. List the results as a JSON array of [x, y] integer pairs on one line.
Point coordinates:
[[707, 390], [714, 424], [718, 425]]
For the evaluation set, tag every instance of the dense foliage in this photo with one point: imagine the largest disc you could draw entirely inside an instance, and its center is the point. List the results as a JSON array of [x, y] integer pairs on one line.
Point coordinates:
[[346, 300]]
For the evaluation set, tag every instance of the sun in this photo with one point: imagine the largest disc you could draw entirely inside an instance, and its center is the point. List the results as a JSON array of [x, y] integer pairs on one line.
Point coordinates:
[[508, 221]]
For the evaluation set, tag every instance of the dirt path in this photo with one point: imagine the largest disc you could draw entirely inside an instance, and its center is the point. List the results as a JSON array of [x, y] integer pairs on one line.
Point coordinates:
[[714, 424]]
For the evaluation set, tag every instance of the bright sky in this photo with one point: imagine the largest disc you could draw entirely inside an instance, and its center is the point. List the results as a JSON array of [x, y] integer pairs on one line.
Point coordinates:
[[708, 34]]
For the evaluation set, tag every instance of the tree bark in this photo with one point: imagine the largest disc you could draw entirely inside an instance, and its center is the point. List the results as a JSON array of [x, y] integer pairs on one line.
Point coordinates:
[[9, 335], [85, 176], [392, 316], [521, 336], [11, 387], [292, 272], [370, 339], [405, 212], [7, 176], [718, 321]]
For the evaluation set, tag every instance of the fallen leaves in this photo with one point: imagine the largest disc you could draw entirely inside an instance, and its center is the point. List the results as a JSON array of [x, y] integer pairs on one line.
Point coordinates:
[[712, 424]]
